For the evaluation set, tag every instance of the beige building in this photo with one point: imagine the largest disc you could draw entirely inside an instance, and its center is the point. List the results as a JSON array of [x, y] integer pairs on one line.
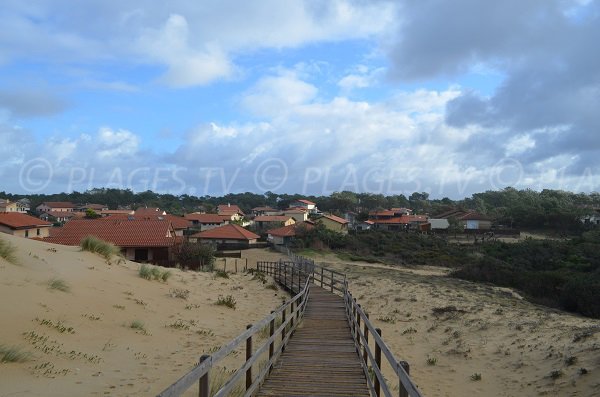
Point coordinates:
[[55, 206], [334, 223], [23, 225]]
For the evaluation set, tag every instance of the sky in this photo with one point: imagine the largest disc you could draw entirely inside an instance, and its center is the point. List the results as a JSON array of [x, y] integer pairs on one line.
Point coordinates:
[[310, 97]]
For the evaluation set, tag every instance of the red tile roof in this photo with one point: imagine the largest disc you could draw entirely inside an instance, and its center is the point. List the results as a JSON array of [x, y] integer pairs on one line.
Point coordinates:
[[272, 218], [304, 201], [382, 213], [149, 211], [474, 216], [15, 220], [265, 209], [227, 232], [59, 204], [290, 230], [120, 232], [229, 207], [336, 219], [204, 218], [296, 210], [64, 214], [402, 220]]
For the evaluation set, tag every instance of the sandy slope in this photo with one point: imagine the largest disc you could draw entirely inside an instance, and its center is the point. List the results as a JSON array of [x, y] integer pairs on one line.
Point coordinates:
[[104, 356], [512, 343]]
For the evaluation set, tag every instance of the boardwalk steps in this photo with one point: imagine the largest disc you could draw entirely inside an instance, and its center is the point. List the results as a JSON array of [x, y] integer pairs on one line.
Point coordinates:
[[321, 358]]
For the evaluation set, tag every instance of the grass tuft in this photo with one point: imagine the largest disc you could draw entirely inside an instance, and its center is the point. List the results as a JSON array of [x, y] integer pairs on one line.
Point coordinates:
[[100, 247], [8, 252], [59, 284], [13, 354], [431, 361], [221, 273], [137, 325], [148, 272], [228, 301], [476, 377]]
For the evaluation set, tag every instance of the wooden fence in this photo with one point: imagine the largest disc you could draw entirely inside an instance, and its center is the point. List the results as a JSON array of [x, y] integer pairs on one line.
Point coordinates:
[[289, 313], [363, 330]]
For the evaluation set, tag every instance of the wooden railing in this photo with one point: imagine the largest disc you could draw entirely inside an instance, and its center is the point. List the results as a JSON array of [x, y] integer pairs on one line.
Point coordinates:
[[363, 331], [289, 313]]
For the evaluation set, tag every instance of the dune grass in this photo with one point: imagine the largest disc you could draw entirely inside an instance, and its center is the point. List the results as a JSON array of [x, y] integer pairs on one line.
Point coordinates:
[[13, 354], [154, 273], [59, 284], [100, 247], [8, 251]]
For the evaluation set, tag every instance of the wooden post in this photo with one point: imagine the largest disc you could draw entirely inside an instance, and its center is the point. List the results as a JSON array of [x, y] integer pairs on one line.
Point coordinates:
[[225, 264], [332, 281], [403, 391], [236, 265], [321, 277], [292, 283], [248, 357], [285, 276], [357, 337], [272, 344], [284, 330], [378, 363], [354, 318], [292, 316], [366, 345], [246, 266], [204, 386]]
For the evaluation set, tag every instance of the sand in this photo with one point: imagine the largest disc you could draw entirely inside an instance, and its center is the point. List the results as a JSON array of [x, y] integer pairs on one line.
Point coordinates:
[[81, 341], [514, 345]]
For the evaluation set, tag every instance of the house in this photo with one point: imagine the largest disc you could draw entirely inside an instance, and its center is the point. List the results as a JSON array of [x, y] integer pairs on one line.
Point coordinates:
[[46, 206], [306, 204], [230, 212], [146, 240], [364, 225], [284, 235], [272, 221], [228, 235], [149, 211], [439, 224], [94, 207], [388, 214], [205, 221], [179, 223], [299, 214], [592, 217], [59, 216], [258, 211], [475, 221], [8, 206], [23, 225], [404, 222], [23, 205], [334, 223], [105, 213]]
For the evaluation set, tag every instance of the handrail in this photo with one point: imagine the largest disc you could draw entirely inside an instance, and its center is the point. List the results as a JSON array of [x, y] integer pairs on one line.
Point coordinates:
[[356, 316], [200, 373]]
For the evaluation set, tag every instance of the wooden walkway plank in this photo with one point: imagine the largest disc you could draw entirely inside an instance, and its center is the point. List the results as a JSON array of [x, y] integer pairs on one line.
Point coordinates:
[[321, 358]]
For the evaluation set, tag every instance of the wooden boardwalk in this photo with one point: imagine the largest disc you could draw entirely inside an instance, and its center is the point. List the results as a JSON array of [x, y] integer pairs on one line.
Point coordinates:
[[321, 358]]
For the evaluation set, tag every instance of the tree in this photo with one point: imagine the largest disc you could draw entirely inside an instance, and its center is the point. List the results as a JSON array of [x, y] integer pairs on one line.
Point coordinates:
[[195, 256], [91, 214]]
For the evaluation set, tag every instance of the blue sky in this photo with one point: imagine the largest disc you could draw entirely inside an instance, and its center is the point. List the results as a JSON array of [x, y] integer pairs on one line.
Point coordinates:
[[303, 97]]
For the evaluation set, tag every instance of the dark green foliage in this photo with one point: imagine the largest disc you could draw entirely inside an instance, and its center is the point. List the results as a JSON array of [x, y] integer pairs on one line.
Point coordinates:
[[564, 274], [195, 256]]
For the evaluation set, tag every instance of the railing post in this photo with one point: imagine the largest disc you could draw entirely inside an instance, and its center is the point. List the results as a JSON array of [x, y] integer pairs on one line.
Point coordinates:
[[292, 282], [403, 392], [285, 275], [292, 316], [378, 363], [248, 357], [321, 277], [357, 337], [332, 281], [204, 386], [366, 345], [284, 332], [272, 344], [354, 318]]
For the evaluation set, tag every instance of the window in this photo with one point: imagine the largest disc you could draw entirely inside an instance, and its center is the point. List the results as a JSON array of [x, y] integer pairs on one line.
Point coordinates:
[[26, 233], [38, 232]]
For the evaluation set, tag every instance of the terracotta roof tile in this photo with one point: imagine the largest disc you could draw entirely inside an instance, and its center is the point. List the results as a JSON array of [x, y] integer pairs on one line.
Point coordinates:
[[229, 207], [59, 204], [15, 220], [304, 201], [227, 232], [120, 232], [204, 218], [290, 230], [272, 218], [336, 219]]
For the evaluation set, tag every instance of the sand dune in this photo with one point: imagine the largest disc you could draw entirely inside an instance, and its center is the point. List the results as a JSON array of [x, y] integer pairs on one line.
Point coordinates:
[[468, 328], [81, 341]]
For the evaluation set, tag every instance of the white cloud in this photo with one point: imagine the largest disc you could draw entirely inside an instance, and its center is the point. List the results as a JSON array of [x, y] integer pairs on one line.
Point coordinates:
[[116, 144]]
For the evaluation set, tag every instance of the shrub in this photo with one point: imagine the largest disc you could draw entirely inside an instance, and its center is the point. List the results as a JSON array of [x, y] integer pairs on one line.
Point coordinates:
[[179, 293], [431, 361], [8, 251], [137, 325], [476, 377], [13, 354], [228, 301], [145, 272], [165, 276], [153, 272], [59, 284], [100, 247], [221, 273], [195, 256]]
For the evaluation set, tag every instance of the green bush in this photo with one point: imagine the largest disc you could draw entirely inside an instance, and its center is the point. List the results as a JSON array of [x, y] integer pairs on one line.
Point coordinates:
[[100, 247]]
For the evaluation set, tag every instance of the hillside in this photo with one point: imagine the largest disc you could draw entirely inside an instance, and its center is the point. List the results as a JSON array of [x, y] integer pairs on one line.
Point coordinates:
[[81, 341]]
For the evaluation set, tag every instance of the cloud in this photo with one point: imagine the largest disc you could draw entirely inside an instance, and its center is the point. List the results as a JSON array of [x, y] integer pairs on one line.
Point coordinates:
[[29, 102]]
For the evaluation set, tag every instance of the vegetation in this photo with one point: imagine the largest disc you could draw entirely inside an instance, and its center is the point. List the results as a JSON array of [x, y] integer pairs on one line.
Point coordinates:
[[59, 284], [228, 301], [476, 377], [13, 354], [179, 293], [138, 325], [431, 361], [196, 256], [153, 272], [221, 273], [95, 245], [8, 251]]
